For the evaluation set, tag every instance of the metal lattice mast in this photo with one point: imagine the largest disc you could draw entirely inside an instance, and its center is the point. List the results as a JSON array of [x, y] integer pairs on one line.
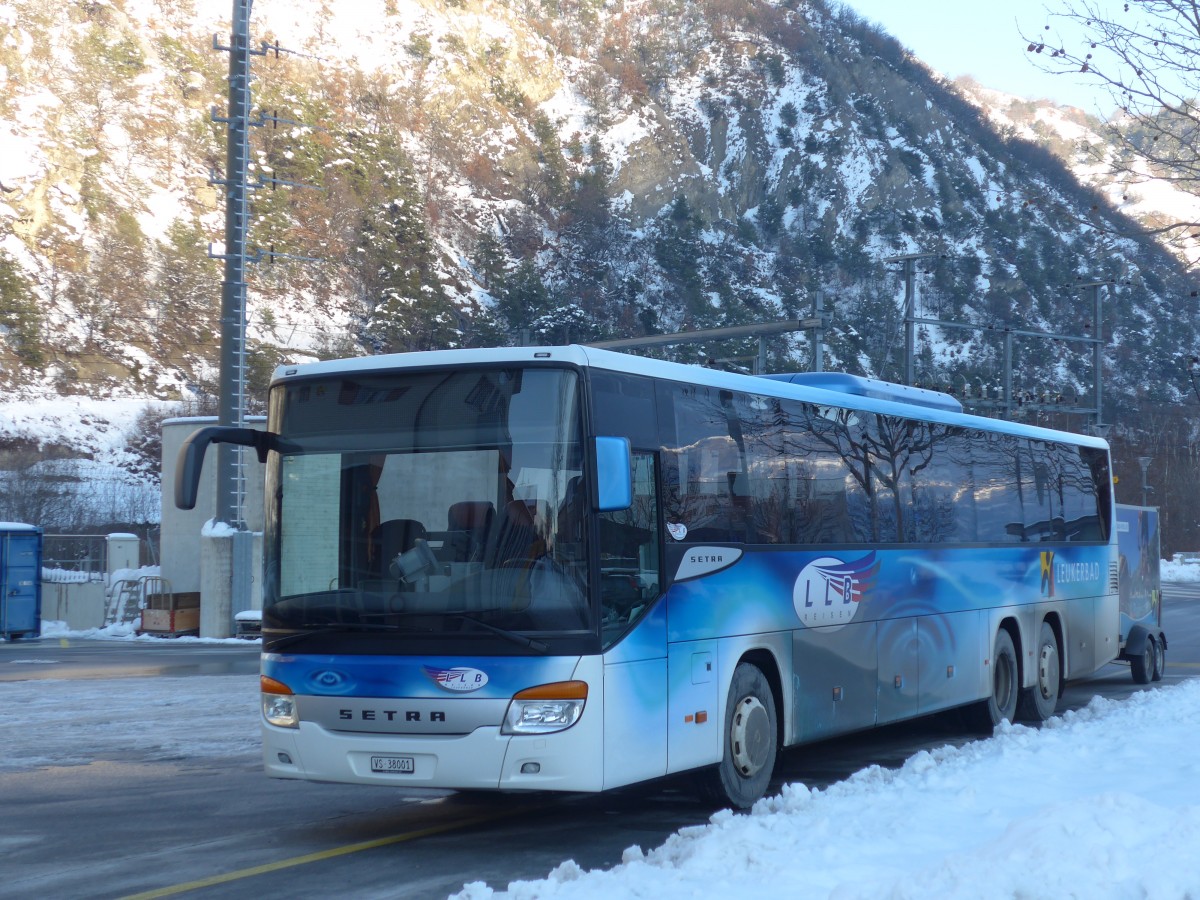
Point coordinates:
[[910, 310], [232, 383]]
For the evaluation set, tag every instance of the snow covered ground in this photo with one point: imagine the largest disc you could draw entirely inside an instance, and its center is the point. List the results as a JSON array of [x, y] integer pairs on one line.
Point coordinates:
[[1102, 802]]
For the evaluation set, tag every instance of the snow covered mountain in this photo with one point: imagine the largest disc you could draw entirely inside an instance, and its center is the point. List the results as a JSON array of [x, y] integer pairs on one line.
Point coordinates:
[[489, 171], [1082, 142]]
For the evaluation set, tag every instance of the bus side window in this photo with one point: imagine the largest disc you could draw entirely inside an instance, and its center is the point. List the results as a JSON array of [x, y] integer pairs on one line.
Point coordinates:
[[629, 556]]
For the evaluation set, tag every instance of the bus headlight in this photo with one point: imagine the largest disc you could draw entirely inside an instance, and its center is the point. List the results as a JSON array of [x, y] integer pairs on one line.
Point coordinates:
[[545, 708], [278, 703]]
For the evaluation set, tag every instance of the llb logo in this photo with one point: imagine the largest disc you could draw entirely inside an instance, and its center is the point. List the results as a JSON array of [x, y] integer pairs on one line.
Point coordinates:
[[459, 679], [828, 591]]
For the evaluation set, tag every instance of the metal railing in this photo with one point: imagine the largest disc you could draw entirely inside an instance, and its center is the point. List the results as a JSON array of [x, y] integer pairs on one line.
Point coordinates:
[[75, 555]]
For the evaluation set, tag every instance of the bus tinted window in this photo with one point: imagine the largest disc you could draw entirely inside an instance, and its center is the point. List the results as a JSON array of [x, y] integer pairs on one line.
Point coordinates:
[[943, 485], [804, 487], [623, 405], [755, 469], [702, 462], [1077, 495]]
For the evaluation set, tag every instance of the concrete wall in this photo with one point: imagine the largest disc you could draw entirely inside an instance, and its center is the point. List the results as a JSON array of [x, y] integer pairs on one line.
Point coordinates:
[[81, 606], [180, 536], [84, 604]]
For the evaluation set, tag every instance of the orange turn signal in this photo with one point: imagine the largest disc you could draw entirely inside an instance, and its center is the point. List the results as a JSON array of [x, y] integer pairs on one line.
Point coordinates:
[[559, 690], [271, 686]]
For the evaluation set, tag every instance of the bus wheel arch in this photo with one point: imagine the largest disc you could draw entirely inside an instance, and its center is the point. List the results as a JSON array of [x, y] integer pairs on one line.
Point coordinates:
[[750, 735], [1038, 702], [764, 660]]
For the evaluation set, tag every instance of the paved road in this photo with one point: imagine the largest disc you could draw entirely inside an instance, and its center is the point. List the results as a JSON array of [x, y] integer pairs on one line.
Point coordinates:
[[217, 828], [73, 659]]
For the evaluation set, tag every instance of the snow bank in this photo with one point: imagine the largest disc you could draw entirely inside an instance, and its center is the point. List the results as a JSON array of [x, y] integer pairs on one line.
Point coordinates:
[[1100, 803]]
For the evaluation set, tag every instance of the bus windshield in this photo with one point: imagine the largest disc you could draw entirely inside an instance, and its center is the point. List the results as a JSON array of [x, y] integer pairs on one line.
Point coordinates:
[[444, 507]]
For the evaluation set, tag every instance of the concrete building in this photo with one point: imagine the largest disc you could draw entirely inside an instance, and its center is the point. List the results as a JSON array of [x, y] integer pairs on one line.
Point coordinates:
[[190, 562]]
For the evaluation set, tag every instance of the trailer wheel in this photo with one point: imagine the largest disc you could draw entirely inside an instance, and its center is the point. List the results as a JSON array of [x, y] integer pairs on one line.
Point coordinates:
[[751, 743], [1160, 661], [1037, 704], [1142, 665]]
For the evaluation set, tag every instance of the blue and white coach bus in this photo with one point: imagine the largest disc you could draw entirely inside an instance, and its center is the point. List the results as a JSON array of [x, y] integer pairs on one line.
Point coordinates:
[[571, 569]]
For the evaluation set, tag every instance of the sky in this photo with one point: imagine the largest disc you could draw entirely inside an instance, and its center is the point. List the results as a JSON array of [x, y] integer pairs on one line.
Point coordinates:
[[982, 38]]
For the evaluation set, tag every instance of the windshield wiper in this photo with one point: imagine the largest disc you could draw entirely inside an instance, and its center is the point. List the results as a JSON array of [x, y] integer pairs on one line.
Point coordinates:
[[515, 637], [311, 628]]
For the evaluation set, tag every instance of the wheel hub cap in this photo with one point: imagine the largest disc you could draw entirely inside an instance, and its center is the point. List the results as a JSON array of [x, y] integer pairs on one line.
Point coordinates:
[[750, 736], [1048, 673]]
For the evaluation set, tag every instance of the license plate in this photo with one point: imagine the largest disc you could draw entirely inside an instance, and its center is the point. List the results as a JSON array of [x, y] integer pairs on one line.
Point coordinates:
[[402, 764]]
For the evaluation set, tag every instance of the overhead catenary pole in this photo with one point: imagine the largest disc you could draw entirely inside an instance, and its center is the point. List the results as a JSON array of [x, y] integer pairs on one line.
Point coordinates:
[[910, 310], [818, 340], [1098, 356], [910, 326], [1097, 340], [1008, 373], [232, 376]]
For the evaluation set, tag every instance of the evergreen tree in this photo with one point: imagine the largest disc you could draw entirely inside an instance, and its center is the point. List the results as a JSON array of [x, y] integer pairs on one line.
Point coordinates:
[[488, 259], [188, 287], [677, 250], [523, 297], [588, 230], [550, 157], [407, 308], [20, 320]]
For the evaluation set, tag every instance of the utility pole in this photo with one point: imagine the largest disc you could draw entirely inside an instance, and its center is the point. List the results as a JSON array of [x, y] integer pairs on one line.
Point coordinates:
[[226, 578], [1097, 340], [818, 338], [226, 567], [910, 310], [1144, 462], [232, 376]]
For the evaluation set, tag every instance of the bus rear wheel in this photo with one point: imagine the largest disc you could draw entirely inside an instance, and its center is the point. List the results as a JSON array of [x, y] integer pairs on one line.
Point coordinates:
[[1002, 703], [751, 743], [1037, 704]]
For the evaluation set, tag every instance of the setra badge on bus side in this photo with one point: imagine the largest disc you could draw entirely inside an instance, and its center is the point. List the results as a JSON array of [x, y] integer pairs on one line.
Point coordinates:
[[699, 561]]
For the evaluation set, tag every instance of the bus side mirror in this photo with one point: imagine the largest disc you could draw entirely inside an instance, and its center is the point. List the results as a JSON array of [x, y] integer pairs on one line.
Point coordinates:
[[191, 456], [614, 477]]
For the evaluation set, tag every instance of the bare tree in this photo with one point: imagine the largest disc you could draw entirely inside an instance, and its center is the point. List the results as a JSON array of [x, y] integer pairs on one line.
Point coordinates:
[[1145, 53]]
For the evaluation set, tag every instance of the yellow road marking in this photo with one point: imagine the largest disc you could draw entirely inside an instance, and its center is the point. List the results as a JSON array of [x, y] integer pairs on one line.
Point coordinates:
[[318, 856]]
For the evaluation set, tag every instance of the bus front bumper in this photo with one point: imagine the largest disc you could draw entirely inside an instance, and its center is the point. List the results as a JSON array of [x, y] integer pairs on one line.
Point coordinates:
[[485, 759]]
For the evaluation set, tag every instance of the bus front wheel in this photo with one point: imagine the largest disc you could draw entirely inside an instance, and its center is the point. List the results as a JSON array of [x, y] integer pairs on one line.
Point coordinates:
[[751, 743]]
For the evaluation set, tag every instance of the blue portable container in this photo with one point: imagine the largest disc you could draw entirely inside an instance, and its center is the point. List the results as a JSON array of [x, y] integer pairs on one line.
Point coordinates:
[[20, 581]]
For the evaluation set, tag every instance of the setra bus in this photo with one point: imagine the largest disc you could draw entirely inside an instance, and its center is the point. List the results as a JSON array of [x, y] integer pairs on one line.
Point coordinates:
[[564, 568]]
